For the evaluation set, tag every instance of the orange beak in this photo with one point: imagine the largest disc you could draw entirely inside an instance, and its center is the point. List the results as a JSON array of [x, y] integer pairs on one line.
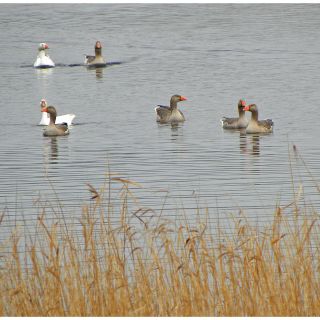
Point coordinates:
[[246, 108], [183, 98]]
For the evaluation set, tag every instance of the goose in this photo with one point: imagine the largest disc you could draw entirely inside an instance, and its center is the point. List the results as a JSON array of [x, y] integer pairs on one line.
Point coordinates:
[[96, 60], [255, 125], [43, 60], [167, 114], [54, 129], [236, 123], [45, 120]]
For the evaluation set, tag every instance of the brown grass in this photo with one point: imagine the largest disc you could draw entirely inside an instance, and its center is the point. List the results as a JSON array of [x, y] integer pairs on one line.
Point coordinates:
[[139, 268]]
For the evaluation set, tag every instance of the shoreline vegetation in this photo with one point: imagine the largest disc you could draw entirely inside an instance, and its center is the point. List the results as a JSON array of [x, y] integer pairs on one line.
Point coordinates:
[[139, 268]]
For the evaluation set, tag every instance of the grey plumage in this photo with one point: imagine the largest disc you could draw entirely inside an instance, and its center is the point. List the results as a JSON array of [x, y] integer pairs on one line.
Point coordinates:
[[167, 114]]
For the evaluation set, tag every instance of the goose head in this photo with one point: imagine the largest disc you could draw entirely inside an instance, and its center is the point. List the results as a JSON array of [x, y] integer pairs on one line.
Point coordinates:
[[175, 99], [251, 108], [49, 109], [43, 104], [241, 104], [43, 46]]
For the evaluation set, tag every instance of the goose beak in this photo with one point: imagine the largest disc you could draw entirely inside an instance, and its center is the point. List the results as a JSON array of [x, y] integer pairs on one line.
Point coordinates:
[[246, 108], [183, 98]]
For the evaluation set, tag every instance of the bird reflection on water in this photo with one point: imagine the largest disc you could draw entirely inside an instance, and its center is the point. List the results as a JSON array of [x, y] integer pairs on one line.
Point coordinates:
[[43, 73], [176, 129], [99, 68], [250, 144], [98, 71], [51, 150]]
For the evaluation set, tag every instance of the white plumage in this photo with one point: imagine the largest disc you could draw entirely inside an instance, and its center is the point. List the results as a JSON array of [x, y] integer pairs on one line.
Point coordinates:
[[43, 60]]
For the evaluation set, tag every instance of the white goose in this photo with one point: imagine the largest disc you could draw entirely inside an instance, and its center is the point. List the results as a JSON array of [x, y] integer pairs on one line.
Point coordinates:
[[43, 60], [45, 120]]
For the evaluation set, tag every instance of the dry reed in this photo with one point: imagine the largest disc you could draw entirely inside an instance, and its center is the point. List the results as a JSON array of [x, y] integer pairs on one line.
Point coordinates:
[[138, 268]]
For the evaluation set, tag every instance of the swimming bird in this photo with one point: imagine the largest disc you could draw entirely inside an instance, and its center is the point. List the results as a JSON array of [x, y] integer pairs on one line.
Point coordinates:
[[96, 60], [43, 60], [54, 129], [167, 114], [255, 125], [236, 123], [45, 119]]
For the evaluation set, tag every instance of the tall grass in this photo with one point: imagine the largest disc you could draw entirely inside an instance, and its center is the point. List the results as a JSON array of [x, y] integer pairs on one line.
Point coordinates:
[[140, 268]]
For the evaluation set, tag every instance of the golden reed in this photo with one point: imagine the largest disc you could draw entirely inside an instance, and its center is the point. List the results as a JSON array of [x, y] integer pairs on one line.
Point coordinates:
[[143, 265]]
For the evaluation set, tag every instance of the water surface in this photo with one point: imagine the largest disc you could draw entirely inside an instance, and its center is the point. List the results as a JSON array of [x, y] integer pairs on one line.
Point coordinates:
[[214, 54]]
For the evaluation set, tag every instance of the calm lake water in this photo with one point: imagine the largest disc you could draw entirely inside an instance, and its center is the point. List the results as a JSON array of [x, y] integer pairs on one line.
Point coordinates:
[[214, 54]]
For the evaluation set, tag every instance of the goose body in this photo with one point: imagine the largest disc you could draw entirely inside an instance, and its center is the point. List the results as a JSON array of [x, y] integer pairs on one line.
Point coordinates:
[[45, 119], [96, 60], [53, 129], [169, 114], [43, 60], [255, 125], [56, 130], [236, 123]]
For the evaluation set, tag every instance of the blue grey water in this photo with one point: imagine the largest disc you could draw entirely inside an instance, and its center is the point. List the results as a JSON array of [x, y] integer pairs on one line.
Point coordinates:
[[214, 54]]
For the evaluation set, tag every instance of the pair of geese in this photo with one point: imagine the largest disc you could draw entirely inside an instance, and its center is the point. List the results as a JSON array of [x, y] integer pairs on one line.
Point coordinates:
[[44, 61], [58, 126]]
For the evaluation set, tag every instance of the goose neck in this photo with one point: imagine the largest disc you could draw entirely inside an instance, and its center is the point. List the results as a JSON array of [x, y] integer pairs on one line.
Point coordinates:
[[98, 51]]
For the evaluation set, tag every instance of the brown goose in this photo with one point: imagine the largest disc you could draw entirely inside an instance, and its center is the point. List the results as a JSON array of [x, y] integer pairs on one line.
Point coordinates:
[[45, 120], [167, 114], [96, 60], [255, 125], [54, 129], [236, 123]]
